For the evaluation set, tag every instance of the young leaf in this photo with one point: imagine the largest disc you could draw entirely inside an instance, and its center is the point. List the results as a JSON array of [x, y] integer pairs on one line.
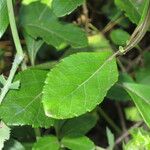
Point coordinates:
[[47, 143], [119, 37], [50, 30], [133, 8], [63, 7], [86, 79], [4, 134], [13, 145], [78, 143], [111, 139], [23, 106], [3, 17], [78, 126], [141, 97], [32, 46]]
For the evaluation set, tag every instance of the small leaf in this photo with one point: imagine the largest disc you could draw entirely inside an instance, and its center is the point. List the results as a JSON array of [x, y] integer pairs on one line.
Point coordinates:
[[15, 85], [119, 37], [33, 47], [140, 94], [4, 134], [13, 145], [65, 7], [23, 106], [86, 79], [111, 139], [78, 143], [78, 126], [47, 143], [4, 17]]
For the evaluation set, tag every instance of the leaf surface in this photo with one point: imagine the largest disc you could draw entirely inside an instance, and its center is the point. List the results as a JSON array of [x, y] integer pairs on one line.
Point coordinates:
[[46, 143], [4, 134], [133, 8], [4, 21], [65, 7], [78, 143], [78, 84], [140, 94], [23, 106], [51, 30]]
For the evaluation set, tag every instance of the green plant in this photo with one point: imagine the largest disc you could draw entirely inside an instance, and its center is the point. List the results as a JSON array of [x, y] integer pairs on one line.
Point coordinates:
[[59, 102]]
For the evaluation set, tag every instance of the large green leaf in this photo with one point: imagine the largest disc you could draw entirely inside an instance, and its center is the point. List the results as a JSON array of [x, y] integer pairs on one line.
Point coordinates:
[[133, 8], [23, 106], [64, 7], [78, 143], [78, 84], [4, 134], [46, 26], [141, 97], [47, 143], [3, 17], [77, 126]]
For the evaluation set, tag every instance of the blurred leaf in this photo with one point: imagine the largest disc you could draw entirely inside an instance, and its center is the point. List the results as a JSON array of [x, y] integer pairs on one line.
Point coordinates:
[[4, 134], [50, 30], [78, 143], [3, 17], [86, 79], [132, 114], [47, 143], [111, 139], [133, 8], [76, 126], [23, 106], [119, 37], [140, 94], [13, 145], [32, 46], [140, 140], [117, 92], [65, 7]]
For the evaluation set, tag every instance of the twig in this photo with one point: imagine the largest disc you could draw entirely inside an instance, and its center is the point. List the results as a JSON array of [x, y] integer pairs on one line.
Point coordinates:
[[19, 56], [109, 120], [125, 134]]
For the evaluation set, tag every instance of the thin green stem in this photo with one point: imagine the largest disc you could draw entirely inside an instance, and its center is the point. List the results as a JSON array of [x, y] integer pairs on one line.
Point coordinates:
[[19, 56], [109, 120], [14, 28]]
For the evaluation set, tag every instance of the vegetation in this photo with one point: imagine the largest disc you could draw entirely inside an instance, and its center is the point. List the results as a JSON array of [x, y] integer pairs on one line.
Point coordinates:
[[75, 75]]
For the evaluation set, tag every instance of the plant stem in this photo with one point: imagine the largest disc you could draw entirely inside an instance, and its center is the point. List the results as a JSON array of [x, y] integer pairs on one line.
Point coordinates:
[[14, 28], [19, 56], [109, 120]]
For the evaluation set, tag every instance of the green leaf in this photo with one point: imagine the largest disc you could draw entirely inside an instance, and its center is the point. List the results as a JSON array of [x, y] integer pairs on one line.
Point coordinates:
[[13, 145], [23, 106], [3, 17], [86, 79], [111, 139], [119, 37], [132, 114], [76, 126], [140, 140], [133, 8], [33, 47], [117, 92], [47, 143], [140, 94], [50, 30], [4, 134], [65, 7], [78, 143]]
